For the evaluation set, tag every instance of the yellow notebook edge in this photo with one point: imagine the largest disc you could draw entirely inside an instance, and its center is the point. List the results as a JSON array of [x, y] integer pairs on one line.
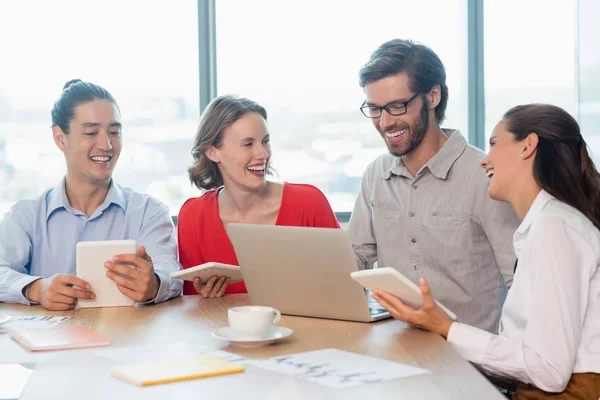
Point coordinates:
[[238, 369]]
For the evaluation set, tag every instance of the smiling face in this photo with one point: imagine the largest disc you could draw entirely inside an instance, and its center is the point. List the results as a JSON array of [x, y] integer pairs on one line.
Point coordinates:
[[244, 153], [402, 133], [503, 163], [93, 144]]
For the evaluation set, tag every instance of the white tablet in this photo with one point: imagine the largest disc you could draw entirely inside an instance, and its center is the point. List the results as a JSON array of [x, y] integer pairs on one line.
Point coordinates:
[[206, 270], [395, 283], [90, 259]]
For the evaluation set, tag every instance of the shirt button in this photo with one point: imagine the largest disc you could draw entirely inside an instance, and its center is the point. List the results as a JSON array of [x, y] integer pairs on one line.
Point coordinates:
[[415, 187], [413, 240], [415, 267], [411, 214]]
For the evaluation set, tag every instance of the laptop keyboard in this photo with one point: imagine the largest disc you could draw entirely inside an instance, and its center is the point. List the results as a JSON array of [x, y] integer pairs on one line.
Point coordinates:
[[374, 307], [376, 310]]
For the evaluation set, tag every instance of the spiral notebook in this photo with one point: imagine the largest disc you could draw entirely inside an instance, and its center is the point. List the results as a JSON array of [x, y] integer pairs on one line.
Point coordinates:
[[64, 338]]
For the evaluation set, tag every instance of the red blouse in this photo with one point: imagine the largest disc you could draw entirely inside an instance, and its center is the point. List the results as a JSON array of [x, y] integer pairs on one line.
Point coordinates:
[[202, 237]]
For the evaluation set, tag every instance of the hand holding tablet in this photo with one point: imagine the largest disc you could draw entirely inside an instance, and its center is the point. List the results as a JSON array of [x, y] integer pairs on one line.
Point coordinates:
[[59, 292], [210, 279], [91, 257], [206, 270], [395, 283]]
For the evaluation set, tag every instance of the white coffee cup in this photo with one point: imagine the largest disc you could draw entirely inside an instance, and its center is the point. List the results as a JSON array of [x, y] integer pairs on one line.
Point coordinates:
[[253, 322]]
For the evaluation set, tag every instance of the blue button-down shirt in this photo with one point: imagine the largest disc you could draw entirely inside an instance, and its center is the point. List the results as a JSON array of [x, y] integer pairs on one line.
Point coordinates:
[[38, 237]]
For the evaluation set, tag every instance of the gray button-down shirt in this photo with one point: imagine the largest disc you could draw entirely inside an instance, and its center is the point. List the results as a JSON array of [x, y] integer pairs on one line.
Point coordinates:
[[440, 225]]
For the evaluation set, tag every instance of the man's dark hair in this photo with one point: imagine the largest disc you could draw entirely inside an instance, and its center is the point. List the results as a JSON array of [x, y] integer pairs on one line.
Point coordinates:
[[422, 66]]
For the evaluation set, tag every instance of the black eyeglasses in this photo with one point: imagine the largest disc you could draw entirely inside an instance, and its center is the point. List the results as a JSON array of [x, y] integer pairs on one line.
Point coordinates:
[[393, 108]]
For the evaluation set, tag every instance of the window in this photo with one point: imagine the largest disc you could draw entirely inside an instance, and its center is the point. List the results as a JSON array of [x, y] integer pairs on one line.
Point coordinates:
[[144, 53], [530, 56], [589, 76], [300, 60]]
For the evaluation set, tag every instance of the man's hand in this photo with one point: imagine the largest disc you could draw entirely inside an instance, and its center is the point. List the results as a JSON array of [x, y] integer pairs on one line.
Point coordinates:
[[57, 292], [214, 287], [140, 283]]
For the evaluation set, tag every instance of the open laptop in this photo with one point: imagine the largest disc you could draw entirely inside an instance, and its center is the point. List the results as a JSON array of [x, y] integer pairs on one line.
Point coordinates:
[[302, 271]]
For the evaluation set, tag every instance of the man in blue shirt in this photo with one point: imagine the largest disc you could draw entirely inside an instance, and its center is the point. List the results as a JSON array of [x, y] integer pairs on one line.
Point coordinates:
[[38, 236]]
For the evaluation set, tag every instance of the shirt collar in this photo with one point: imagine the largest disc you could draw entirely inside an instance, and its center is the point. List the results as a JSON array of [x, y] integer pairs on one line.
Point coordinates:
[[57, 198], [440, 163], [115, 196], [535, 210], [397, 168]]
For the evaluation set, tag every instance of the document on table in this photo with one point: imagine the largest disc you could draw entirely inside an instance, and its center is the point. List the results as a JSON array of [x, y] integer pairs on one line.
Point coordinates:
[[21, 322], [338, 369], [14, 379], [330, 367]]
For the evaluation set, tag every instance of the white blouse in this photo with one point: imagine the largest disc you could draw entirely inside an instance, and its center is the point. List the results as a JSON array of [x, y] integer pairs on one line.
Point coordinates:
[[550, 324]]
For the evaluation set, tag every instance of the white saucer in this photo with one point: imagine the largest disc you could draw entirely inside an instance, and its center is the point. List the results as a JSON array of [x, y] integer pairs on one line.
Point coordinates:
[[4, 318], [276, 333]]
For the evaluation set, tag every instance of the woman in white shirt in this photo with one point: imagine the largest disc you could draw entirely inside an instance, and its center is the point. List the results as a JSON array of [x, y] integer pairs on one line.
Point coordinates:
[[549, 334]]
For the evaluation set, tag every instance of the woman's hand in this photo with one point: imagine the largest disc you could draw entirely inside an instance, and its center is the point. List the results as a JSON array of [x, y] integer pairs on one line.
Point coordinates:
[[214, 287], [429, 317]]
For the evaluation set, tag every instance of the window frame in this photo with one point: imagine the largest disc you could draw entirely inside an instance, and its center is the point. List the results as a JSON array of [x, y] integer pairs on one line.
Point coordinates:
[[475, 49]]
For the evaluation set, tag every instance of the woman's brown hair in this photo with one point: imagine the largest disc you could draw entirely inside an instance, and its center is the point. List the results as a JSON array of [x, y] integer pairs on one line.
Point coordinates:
[[562, 165], [220, 114]]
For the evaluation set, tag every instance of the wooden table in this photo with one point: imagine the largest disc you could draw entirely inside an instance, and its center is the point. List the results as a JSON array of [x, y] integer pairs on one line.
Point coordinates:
[[189, 320]]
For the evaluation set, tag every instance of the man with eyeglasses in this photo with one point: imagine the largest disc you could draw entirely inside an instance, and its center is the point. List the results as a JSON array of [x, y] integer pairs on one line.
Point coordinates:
[[423, 209]]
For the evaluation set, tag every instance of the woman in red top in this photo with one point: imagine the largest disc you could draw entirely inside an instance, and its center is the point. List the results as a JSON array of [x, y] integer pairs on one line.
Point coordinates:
[[231, 159]]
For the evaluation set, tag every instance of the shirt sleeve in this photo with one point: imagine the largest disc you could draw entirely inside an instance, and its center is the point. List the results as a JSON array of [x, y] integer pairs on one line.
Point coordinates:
[[544, 353], [158, 236], [499, 222], [360, 229], [15, 254], [190, 253]]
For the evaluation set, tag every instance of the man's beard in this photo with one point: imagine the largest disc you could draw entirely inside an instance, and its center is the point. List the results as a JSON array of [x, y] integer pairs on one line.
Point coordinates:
[[416, 133]]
